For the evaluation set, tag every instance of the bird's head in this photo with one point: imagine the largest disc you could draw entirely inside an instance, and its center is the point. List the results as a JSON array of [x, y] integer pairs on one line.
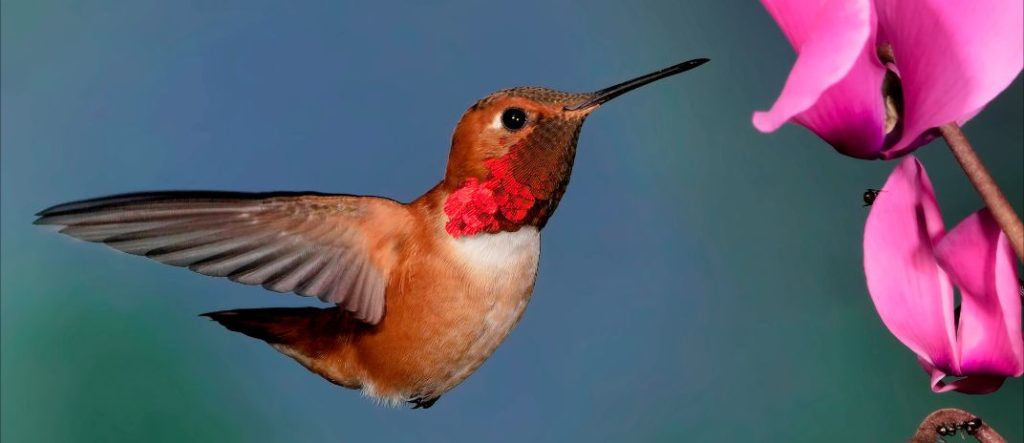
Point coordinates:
[[512, 154]]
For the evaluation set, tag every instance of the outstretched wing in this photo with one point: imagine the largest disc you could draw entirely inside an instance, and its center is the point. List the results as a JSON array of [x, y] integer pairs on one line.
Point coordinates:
[[333, 247]]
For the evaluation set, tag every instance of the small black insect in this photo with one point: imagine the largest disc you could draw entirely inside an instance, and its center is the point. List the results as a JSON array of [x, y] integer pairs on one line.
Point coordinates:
[[870, 195], [972, 425], [946, 430], [949, 429]]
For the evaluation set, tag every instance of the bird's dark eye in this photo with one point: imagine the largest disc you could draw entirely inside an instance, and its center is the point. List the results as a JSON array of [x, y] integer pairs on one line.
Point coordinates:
[[513, 119]]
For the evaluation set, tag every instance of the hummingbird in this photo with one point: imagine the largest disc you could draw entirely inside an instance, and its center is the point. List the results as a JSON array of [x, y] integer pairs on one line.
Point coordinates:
[[419, 294]]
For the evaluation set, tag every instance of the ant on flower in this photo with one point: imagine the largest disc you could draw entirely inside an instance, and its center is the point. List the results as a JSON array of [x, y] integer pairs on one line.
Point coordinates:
[[870, 195], [949, 429]]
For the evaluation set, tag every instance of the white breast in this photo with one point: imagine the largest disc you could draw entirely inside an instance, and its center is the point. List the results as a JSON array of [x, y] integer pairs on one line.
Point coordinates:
[[501, 268], [500, 254]]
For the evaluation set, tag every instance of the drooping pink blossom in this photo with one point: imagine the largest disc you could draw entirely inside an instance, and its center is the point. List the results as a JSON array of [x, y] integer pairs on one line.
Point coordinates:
[[949, 59], [912, 263]]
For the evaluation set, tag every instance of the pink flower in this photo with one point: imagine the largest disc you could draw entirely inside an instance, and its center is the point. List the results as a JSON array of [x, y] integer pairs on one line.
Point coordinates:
[[950, 58], [911, 265]]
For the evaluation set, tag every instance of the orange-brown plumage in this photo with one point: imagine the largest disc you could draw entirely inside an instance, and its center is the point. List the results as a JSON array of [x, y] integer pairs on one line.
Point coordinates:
[[422, 293]]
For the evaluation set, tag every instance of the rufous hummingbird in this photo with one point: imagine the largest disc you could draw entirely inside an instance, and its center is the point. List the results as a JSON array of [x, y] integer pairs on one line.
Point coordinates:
[[422, 292]]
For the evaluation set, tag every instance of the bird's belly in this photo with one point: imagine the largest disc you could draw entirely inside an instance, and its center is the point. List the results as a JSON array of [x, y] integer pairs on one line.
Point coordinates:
[[448, 314], [501, 270]]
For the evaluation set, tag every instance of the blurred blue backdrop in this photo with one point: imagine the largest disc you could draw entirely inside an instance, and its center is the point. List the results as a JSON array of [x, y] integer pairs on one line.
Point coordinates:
[[700, 281]]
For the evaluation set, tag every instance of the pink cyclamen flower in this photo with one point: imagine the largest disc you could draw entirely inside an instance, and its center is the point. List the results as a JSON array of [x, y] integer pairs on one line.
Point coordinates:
[[912, 264], [949, 58]]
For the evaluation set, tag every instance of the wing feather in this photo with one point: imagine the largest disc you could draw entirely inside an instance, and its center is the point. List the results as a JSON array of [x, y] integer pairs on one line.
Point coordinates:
[[326, 246]]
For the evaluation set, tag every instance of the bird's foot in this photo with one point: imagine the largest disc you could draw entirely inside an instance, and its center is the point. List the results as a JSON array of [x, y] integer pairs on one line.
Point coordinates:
[[422, 403]]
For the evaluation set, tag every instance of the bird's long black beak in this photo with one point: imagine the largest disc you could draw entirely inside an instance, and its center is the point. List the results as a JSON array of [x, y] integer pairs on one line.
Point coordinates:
[[599, 97]]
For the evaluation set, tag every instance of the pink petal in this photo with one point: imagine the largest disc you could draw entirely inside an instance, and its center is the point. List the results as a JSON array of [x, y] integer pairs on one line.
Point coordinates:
[[828, 35], [834, 87], [975, 384], [850, 114], [911, 293], [798, 19], [978, 258], [954, 56]]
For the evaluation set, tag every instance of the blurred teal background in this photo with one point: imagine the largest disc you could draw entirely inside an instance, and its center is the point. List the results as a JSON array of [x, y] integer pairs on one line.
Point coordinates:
[[700, 281]]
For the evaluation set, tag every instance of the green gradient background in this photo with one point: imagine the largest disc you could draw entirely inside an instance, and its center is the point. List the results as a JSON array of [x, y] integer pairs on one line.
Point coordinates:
[[700, 282]]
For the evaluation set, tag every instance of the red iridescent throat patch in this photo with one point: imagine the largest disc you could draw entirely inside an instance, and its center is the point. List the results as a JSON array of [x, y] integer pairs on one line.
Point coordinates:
[[489, 206]]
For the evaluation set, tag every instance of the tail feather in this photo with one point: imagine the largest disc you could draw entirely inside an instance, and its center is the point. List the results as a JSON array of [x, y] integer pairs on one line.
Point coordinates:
[[272, 325], [317, 338]]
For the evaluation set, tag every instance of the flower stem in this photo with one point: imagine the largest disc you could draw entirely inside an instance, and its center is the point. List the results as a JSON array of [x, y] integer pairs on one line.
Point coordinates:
[[952, 417], [986, 186]]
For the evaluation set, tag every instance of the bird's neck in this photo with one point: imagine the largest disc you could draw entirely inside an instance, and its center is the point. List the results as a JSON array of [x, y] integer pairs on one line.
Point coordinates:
[[509, 194], [495, 202]]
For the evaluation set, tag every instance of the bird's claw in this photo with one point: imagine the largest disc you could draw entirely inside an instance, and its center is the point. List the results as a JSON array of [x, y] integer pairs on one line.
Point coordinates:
[[422, 403]]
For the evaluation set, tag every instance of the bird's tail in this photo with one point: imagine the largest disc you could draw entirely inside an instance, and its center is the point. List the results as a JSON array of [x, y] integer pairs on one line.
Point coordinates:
[[317, 338]]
